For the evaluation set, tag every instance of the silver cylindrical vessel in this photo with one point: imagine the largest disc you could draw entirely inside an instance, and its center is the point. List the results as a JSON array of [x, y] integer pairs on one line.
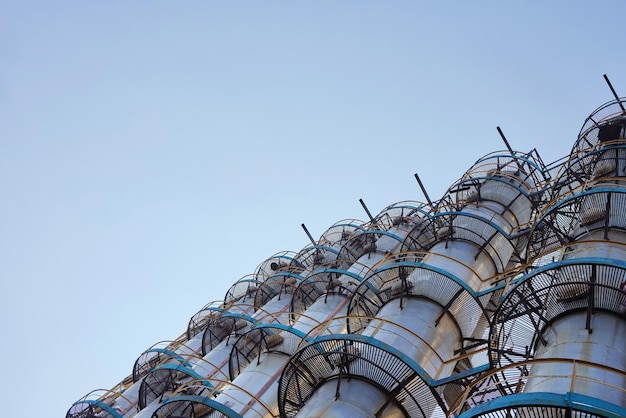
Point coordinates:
[[598, 352]]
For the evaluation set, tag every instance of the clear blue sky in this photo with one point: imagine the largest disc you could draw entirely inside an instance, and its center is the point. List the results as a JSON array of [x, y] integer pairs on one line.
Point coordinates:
[[153, 153]]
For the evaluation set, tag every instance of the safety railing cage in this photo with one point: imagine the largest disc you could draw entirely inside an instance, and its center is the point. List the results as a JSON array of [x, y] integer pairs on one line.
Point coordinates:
[[322, 281], [204, 316], [165, 379], [409, 277], [495, 176], [229, 326], [102, 404], [585, 214], [402, 214], [603, 124], [242, 291], [499, 393], [315, 255], [282, 282], [340, 232], [154, 357], [547, 293], [285, 261], [262, 339], [335, 359]]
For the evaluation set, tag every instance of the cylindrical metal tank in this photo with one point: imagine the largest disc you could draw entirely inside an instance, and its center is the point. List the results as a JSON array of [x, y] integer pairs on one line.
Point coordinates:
[[598, 351], [358, 399], [471, 241], [558, 332]]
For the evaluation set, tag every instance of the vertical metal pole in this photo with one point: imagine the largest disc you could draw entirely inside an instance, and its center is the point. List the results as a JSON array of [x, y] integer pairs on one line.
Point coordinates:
[[430, 202], [366, 210], [619, 102], [309, 234], [508, 146]]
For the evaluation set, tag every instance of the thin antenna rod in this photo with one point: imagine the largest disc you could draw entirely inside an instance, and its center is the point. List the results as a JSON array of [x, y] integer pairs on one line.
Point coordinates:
[[614, 93], [309, 234], [366, 210], [430, 202], [508, 146]]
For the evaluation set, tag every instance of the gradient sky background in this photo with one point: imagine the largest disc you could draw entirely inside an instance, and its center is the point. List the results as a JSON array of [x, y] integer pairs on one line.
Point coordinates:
[[153, 153]]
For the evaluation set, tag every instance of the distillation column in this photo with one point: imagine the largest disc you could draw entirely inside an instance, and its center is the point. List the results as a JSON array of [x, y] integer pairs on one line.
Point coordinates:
[[559, 335], [411, 316], [258, 357], [259, 353]]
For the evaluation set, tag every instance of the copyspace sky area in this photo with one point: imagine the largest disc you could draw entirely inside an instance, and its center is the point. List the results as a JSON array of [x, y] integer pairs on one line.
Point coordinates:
[[153, 153]]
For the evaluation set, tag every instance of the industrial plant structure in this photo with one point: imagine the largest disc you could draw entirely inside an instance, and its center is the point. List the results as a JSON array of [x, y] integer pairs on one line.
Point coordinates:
[[504, 298]]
